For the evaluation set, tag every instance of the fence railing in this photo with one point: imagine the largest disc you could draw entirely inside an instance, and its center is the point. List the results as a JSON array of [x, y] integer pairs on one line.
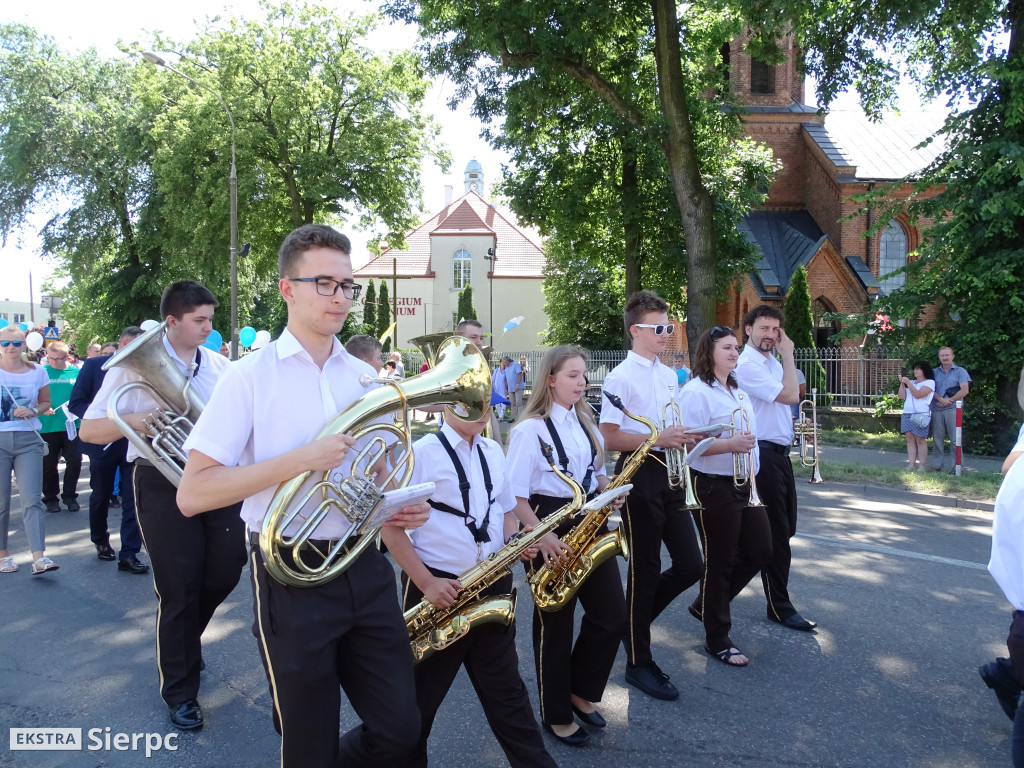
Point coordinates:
[[854, 376]]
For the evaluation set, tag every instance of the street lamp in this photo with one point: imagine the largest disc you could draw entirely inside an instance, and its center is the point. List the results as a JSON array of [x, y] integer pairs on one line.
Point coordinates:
[[492, 256], [152, 58]]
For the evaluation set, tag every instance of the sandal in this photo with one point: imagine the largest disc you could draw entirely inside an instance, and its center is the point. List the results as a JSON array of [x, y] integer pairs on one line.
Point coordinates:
[[7, 565], [727, 656], [42, 565]]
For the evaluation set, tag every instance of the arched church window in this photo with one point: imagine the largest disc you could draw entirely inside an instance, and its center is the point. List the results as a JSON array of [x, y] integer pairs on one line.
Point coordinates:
[[892, 255], [462, 264]]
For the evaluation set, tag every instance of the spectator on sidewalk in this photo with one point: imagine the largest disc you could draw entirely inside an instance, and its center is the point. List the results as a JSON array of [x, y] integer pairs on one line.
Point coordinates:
[[951, 384], [60, 433]]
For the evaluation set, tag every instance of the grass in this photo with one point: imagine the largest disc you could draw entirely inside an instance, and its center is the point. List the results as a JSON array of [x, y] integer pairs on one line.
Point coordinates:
[[975, 486], [890, 441]]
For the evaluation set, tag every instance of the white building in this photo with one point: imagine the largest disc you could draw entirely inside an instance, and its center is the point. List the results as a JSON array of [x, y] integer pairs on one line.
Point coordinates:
[[453, 249], [16, 312]]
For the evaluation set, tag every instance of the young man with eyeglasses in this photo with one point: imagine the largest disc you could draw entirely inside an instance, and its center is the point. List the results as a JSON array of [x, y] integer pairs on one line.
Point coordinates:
[[653, 512], [196, 561], [260, 430], [772, 385], [58, 436]]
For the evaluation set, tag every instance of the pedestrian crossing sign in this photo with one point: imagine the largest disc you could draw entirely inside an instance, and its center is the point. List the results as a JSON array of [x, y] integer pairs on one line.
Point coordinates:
[[51, 333]]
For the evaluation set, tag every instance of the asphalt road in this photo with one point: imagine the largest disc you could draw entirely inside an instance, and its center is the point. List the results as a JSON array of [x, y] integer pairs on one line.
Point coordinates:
[[905, 607]]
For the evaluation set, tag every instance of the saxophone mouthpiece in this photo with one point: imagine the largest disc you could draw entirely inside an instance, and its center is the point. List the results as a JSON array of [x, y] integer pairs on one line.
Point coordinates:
[[614, 400], [547, 450]]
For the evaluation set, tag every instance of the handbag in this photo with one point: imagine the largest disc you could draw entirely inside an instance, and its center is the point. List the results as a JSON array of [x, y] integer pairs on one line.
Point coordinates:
[[921, 420], [46, 446]]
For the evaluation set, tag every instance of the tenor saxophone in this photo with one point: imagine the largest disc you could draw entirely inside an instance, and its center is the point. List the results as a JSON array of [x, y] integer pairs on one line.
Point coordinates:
[[433, 629], [554, 584]]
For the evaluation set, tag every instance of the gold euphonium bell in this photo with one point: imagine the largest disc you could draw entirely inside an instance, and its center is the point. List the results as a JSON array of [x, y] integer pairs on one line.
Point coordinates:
[[461, 378]]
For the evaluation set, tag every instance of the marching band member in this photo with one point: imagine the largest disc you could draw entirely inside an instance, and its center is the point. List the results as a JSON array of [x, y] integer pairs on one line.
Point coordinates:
[[736, 537], [470, 521], [196, 562], [258, 431], [571, 677], [654, 512]]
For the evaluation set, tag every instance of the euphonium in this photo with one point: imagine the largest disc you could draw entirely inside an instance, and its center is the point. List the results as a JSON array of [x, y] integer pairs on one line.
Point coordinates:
[[743, 463], [433, 629], [178, 403], [460, 378], [808, 433], [554, 584]]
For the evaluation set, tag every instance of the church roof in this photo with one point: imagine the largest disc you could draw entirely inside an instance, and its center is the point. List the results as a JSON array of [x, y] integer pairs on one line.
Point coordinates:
[[787, 240], [878, 151], [469, 215]]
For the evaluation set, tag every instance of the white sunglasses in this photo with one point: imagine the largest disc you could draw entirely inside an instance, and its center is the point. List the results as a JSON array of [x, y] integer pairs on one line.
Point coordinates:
[[659, 328]]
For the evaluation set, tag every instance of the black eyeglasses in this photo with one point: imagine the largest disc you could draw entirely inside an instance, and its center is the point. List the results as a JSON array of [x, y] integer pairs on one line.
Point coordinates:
[[327, 286], [658, 328], [719, 331], [6, 344]]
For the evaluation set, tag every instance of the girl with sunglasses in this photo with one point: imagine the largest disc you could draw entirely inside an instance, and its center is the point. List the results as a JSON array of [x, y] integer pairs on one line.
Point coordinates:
[[24, 394], [736, 537]]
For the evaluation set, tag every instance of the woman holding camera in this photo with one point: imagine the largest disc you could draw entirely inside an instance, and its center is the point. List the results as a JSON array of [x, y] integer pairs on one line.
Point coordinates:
[[917, 398]]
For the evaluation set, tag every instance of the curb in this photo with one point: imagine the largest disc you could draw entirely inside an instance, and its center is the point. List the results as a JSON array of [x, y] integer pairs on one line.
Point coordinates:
[[920, 498]]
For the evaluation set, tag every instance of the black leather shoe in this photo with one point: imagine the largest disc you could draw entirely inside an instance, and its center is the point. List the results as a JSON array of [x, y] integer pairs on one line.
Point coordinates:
[[998, 675], [187, 716], [652, 681], [590, 718], [132, 565], [796, 621], [73, 506], [104, 552], [577, 738], [52, 506], [695, 613]]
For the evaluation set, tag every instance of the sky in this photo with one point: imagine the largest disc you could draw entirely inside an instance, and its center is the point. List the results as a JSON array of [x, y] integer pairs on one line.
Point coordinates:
[[100, 24]]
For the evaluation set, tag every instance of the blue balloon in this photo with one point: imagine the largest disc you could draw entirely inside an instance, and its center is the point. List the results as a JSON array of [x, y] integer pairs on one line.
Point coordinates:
[[247, 336], [3, 323], [23, 326], [213, 341]]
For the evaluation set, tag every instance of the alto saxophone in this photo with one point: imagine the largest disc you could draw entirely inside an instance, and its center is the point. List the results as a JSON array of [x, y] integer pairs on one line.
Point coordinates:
[[433, 629], [555, 583]]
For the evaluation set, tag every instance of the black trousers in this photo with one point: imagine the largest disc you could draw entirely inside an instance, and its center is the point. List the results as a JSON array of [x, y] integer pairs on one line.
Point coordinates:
[[737, 543], [777, 489], [196, 561], [71, 450], [488, 652], [1015, 645], [103, 467], [654, 513], [346, 634], [565, 668]]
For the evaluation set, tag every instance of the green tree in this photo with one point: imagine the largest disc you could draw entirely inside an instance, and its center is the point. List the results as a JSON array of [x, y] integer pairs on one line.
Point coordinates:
[[370, 310], [384, 316], [466, 310], [799, 324]]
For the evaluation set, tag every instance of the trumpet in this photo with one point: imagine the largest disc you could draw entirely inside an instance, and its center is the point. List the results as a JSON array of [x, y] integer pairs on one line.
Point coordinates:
[[808, 433], [675, 459], [743, 463]]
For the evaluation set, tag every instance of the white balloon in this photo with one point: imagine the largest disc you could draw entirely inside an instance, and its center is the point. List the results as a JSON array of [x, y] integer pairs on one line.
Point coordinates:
[[262, 339], [258, 343], [34, 341], [148, 325]]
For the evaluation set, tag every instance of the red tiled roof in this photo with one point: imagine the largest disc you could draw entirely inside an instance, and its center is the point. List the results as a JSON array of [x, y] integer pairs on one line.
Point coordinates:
[[518, 255]]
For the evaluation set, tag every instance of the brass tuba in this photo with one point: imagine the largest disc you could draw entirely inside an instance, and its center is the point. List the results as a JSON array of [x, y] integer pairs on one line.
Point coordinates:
[[460, 378], [179, 405]]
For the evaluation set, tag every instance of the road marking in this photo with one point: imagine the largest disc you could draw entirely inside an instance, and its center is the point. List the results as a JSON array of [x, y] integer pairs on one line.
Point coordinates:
[[883, 550]]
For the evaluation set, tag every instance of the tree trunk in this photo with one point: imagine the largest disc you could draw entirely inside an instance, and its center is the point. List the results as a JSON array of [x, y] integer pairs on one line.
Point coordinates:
[[629, 197], [695, 203]]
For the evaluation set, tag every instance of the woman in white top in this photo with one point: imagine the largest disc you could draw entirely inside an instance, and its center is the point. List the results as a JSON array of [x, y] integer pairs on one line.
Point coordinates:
[[24, 394], [736, 537], [571, 677], [917, 398]]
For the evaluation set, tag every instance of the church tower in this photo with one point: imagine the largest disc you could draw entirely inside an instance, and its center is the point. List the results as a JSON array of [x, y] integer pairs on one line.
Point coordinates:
[[475, 177]]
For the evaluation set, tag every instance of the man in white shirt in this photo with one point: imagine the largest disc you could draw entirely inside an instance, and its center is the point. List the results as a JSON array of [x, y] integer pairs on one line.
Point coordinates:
[[196, 562], [654, 512], [773, 387], [260, 430]]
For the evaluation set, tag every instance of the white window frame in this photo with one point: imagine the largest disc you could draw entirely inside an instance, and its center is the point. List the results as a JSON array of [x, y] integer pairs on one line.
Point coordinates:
[[462, 269], [892, 255]]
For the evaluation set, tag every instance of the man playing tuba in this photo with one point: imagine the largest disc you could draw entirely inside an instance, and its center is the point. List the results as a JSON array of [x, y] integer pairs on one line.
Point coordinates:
[[259, 431], [196, 562]]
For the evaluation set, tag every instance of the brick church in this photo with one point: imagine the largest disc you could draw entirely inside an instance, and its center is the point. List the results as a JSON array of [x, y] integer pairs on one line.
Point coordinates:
[[810, 218]]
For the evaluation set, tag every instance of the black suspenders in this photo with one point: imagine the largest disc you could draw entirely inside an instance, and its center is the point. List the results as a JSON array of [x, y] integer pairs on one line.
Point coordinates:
[[479, 532], [564, 460]]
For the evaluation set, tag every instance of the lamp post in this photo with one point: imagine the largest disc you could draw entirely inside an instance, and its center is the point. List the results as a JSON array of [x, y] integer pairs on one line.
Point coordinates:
[[152, 58], [492, 256]]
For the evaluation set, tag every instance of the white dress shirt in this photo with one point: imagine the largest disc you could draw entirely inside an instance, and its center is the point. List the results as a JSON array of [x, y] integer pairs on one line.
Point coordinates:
[[526, 469], [211, 365], [705, 405], [1007, 561], [272, 401], [445, 542], [760, 377], [643, 386]]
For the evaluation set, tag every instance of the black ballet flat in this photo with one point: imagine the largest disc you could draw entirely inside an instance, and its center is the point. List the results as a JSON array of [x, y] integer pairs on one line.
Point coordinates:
[[590, 718], [576, 739]]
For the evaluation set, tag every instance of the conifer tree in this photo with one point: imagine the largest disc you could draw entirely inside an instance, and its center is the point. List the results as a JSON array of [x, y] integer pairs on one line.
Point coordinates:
[[384, 318], [799, 325], [370, 310]]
